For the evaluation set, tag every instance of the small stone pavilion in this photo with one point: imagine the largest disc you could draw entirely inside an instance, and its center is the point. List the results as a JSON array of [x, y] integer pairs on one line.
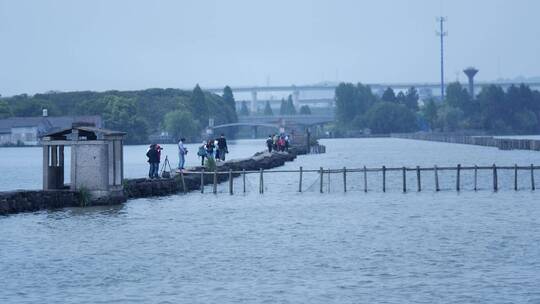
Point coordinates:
[[97, 163]]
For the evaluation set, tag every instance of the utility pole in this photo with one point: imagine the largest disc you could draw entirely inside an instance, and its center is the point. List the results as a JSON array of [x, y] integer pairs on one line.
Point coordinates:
[[442, 34]]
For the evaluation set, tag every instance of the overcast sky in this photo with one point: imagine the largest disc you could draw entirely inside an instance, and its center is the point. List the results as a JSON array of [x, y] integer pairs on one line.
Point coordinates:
[[100, 45]]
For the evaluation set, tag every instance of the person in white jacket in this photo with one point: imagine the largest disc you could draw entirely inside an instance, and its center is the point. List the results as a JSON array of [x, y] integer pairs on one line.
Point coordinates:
[[182, 151]]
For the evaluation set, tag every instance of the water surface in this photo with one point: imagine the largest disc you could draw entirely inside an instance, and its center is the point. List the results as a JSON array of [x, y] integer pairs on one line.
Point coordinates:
[[290, 247]]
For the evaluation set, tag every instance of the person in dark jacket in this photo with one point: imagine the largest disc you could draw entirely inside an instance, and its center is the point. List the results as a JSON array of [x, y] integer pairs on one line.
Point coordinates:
[[269, 143], [222, 147], [210, 149], [153, 160]]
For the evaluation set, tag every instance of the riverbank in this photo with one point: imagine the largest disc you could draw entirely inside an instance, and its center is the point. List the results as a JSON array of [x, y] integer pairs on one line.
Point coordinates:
[[34, 200], [486, 141]]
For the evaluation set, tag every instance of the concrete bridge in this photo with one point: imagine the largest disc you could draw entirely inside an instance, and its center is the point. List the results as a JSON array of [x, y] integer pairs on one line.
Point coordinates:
[[424, 88], [280, 123]]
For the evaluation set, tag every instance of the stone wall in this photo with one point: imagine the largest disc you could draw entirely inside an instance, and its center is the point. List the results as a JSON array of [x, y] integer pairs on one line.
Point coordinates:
[[487, 141], [24, 201]]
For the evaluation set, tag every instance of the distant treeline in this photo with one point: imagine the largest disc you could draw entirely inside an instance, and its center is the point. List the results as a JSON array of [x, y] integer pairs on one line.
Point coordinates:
[[139, 113], [514, 111]]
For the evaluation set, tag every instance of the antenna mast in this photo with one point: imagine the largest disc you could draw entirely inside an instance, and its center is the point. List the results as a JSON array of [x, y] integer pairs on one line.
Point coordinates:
[[442, 34]]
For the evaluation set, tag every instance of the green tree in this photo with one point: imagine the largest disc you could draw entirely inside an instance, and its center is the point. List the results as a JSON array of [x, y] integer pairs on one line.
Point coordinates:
[[450, 118], [305, 110], [429, 112], [494, 109], [198, 105], [23, 105], [401, 98], [244, 111], [346, 109], [283, 107], [181, 124], [267, 109], [228, 99], [387, 117], [121, 114], [364, 99], [389, 95], [5, 111], [457, 96], [411, 99], [291, 110], [525, 121]]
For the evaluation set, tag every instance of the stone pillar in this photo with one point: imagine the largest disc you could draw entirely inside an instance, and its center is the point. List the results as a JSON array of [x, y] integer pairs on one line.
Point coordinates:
[[54, 156], [46, 149], [253, 102], [115, 162], [61, 165], [73, 173]]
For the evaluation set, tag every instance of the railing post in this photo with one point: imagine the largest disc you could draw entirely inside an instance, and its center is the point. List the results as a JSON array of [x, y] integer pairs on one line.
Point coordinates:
[[202, 180], [328, 188], [344, 179], [321, 180], [404, 179], [230, 182], [418, 179], [261, 181], [436, 178], [533, 186], [244, 179], [365, 179], [458, 176], [300, 181], [475, 177], [495, 182], [215, 181], [383, 178], [515, 177]]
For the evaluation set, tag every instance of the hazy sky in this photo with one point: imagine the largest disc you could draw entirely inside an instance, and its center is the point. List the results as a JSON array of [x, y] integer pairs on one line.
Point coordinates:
[[112, 44]]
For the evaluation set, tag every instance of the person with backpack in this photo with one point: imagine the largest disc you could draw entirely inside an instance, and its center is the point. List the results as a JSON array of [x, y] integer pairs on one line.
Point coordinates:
[[153, 160], [210, 149], [222, 147], [202, 152]]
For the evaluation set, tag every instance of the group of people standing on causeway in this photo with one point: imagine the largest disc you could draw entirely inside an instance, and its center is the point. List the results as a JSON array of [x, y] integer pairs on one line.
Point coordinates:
[[211, 149], [278, 143], [214, 149]]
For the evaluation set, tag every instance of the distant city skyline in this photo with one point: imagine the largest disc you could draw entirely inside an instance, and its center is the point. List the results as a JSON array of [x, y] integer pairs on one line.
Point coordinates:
[[128, 45]]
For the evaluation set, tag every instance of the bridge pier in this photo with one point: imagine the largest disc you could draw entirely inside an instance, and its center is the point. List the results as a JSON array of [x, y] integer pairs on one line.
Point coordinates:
[[254, 132], [253, 105]]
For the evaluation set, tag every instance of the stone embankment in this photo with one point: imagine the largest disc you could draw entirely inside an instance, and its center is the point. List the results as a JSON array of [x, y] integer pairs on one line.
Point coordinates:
[[487, 141], [26, 201], [142, 187]]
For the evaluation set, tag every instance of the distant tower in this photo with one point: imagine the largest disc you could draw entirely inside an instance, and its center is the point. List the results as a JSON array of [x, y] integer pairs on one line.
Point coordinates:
[[471, 72], [442, 34]]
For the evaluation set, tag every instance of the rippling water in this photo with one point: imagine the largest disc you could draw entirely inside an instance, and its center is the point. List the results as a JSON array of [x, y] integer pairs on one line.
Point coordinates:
[[287, 247]]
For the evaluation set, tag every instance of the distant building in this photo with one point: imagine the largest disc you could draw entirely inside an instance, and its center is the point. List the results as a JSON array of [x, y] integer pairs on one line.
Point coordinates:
[[27, 130]]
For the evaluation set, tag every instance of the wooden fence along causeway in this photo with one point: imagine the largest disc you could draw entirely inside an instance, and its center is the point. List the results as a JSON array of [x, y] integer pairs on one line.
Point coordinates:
[[382, 175]]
